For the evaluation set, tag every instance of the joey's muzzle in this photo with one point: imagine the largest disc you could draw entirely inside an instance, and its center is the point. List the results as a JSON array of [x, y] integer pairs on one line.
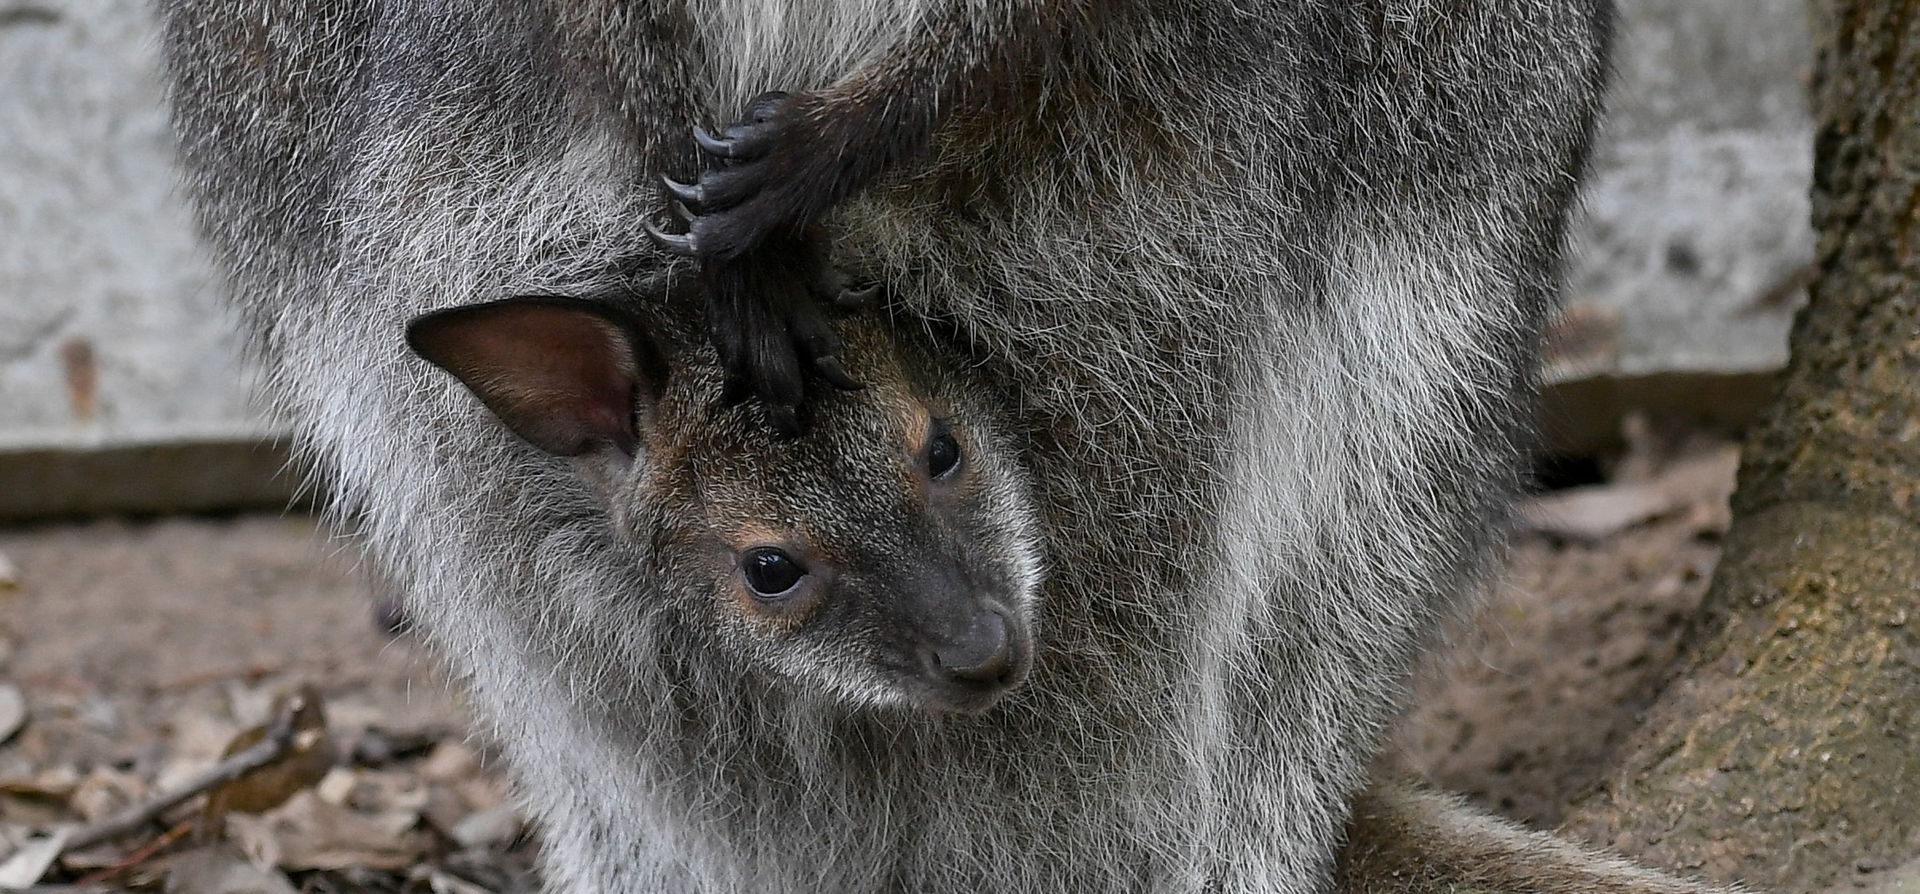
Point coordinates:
[[967, 666], [982, 654]]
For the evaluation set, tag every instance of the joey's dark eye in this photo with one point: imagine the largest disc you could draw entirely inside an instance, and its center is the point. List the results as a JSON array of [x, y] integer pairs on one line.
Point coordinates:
[[943, 452], [770, 572]]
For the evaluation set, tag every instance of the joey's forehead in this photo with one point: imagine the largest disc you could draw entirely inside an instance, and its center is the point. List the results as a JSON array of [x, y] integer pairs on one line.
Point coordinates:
[[854, 456], [800, 467], [885, 416]]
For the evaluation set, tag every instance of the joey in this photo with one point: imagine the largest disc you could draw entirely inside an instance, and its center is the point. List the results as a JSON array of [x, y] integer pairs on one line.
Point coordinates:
[[882, 554]]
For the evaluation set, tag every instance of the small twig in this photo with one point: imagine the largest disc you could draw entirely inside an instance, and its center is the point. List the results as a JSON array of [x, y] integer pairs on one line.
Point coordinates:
[[279, 737], [141, 855]]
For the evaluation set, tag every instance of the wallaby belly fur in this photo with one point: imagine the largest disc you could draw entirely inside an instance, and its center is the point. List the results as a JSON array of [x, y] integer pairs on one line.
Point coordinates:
[[1263, 288]]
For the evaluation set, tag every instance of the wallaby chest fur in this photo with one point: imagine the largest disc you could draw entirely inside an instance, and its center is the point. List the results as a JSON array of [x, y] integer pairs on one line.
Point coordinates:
[[1256, 289]]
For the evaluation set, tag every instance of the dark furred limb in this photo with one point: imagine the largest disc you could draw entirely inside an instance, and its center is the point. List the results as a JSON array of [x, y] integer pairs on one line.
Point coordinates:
[[769, 317], [792, 157]]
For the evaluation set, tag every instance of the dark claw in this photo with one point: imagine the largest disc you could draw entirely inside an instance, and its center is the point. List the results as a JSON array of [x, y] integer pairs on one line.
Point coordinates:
[[713, 145], [725, 188], [677, 243], [853, 299], [681, 211], [746, 142], [691, 193], [836, 375]]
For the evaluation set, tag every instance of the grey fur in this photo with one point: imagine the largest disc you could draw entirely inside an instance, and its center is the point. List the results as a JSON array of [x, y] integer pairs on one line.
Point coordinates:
[[1258, 287], [1403, 841]]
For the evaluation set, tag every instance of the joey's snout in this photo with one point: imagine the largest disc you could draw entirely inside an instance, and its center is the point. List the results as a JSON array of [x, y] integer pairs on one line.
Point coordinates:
[[972, 660], [983, 654]]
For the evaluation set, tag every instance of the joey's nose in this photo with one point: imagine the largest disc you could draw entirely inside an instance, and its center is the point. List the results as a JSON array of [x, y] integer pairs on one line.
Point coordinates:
[[983, 654]]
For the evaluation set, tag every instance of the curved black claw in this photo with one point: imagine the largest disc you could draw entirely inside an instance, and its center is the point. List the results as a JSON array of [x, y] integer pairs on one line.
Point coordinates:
[[836, 375], [690, 193], [856, 297], [753, 135], [814, 336], [682, 244], [713, 145]]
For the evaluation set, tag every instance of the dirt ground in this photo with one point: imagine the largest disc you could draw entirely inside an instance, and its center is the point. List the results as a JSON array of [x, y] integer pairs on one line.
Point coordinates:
[[143, 647]]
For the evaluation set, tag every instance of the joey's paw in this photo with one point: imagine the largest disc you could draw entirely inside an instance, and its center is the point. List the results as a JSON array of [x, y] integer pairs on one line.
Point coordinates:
[[757, 185], [771, 324]]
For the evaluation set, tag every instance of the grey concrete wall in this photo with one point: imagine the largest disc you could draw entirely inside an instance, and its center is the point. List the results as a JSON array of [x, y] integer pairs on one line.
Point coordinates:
[[1694, 247], [1697, 223], [113, 343], [112, 337]]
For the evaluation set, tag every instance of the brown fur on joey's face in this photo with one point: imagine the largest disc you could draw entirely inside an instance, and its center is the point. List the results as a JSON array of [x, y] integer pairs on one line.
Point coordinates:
[[886, 554]]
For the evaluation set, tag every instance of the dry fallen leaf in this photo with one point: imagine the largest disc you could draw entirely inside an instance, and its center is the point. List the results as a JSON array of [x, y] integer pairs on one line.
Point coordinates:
[[1595, 513], [375, 791], [488, 829], [451, 804], [106, 791], [447, 883], [54, 784], [221, 870], [482, 792], [450, 761], [309, 832], [27, 865], [13, 711], [198, 738], [304, 765], [1701, 483]]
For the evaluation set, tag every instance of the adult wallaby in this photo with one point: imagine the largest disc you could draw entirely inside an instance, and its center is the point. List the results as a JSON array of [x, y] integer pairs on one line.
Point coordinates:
[[1198, 402]]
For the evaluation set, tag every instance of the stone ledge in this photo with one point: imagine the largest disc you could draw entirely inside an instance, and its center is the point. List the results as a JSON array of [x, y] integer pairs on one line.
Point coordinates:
[[198, 472], [1583, 416]]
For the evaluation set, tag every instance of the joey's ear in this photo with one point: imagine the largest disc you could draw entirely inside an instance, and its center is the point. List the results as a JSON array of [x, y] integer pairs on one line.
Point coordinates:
[[562, 373]]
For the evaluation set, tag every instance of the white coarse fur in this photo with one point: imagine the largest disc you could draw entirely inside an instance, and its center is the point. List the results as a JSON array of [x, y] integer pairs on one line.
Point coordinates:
[[1267, 403], [754, 46]]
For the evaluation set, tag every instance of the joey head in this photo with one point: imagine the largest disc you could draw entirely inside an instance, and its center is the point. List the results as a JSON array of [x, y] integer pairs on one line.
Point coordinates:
[[884, 554]]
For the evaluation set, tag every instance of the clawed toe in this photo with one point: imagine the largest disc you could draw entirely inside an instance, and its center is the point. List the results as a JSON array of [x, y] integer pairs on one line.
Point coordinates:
[[676, 243], [769, 288], [711, 144], [690, 193]]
